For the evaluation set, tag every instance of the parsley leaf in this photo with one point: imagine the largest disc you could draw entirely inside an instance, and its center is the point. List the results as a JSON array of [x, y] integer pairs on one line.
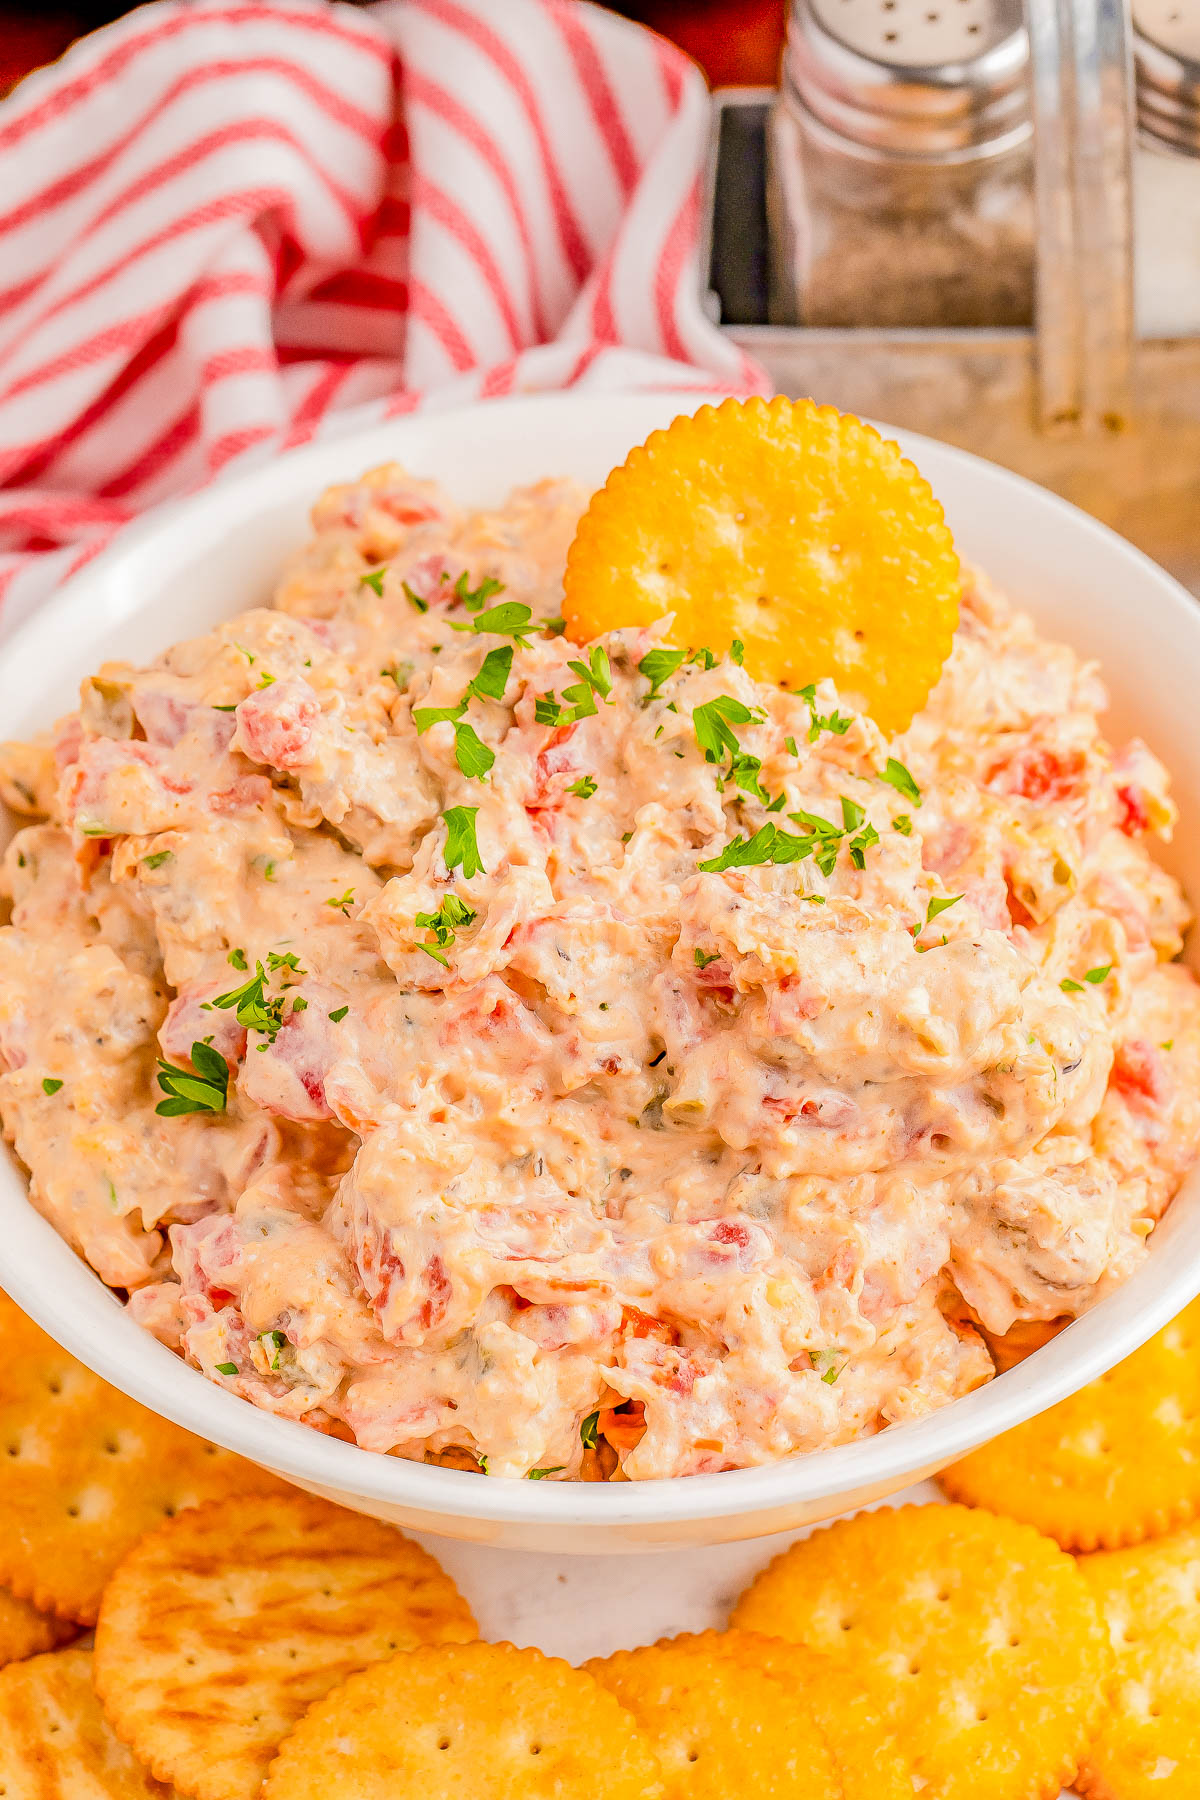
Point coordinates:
[[462, 846], [897, 776], [493, 675], [1071, 987], [541, 1474], [339, 1014], [451, 917], [237, 959], [903, 824], [546, 710], [702, 958], [374, 579], [583, 789], [474, 598], [658, 666], [704, 657], [861, 844], [425, 717], [50, 1085], [510, 619], [251, 1008], [838, 723], [343, 904], [414, 599], [1096, 976], [471, 753], [157, 858], [225, 1368], [737, 652], [276, 1342], [941, 905], [712, 721], [291, 962], [205, 1090], [852, 814], [587, 1431]]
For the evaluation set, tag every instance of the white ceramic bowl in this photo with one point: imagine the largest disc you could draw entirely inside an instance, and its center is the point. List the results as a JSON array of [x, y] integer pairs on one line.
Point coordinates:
[[193, 563]]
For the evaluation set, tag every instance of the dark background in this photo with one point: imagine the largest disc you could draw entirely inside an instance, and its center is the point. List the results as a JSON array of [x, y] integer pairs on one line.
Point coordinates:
[[734, 41]]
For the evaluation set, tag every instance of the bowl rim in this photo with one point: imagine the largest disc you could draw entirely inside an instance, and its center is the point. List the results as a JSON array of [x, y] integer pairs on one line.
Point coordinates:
[[63, 1295]]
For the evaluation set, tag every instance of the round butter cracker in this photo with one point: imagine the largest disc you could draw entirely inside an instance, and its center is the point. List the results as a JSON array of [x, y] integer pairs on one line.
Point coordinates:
[[485, 1720], [84, 1471], [1115, 1463], [220, 1629], [719, 1722], [791, 526], [54, 1741], [1148, 1744], [967, 1643]]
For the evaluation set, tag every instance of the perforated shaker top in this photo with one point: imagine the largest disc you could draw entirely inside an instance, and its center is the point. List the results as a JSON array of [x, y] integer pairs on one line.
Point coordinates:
[[933, 79], [918, 33]]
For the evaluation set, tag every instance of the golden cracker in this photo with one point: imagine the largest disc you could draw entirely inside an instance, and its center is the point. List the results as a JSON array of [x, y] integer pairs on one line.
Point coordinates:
[[54, 1741], [485, 1720], [793, 527], [971, 1640], [221, 1628], [1115, 1463], [26, 1632], [719, 1723], [1148, 1745], [84, 1471]]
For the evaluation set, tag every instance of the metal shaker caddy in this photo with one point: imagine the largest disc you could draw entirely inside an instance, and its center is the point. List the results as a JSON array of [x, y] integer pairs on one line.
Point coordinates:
[[969, 163]]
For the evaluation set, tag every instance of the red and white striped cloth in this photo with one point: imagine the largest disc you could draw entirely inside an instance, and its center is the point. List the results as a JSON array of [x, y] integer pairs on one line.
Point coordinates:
[[230, 226]]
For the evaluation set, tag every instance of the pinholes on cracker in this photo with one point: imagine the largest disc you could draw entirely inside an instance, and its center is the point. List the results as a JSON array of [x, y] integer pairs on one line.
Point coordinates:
[[54, 1741], [484, 1720], [220, 1629], [85, 1471], [791, 526], [1148, 1745], [1115, 1463], [26, 1632], [719, 1723], [968, 1642]]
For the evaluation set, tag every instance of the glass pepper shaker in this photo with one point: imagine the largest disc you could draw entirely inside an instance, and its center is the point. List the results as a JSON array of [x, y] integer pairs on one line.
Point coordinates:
[[900, 166], [1166, 168]]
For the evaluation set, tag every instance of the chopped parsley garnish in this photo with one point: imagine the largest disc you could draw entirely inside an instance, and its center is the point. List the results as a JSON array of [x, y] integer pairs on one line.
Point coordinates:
[[790, 745], [202, 1088], [299, 1003], [90, 829], [493, 675], [451, 917], [897, 776], [702, 958], [546, 710], [541, 1474], [768, 845], [903, 824], [587, 1431], [583, 789], [413, 598], [226, 1368], [1093, 976], [554, 627], [474, 598], [512, 618], [290, 962], [658, 666], [338, 1015], [712, 724], [373, 578], [940, 905], [230, 706], [737, 652], [704, 657], [273, 1340], [343, 904], [250, 1006], [399, 672], [425, 717], [50, 1085], [157, 858], [471, 753], [462, 846], [265, 680], [595, 677], [237, 959], [251, 659], [838, 723]]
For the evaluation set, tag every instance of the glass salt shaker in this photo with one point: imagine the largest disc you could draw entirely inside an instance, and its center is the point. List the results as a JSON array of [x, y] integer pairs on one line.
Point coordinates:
[[900, 159], [1166, 168]]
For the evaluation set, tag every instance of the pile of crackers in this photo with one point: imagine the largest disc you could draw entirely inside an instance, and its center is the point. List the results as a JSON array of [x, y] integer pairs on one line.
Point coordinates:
[[174, 1616]]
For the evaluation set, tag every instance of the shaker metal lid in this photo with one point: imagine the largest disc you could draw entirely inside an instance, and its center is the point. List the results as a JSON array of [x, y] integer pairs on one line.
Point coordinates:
[[1167, 57], [925, 78]]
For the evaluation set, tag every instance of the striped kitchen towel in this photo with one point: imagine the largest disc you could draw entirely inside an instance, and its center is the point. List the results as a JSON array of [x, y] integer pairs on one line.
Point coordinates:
[[230, 226]]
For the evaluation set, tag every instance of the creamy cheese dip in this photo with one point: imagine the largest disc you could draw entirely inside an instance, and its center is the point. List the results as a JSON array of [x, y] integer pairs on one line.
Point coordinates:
[[518, 1138]]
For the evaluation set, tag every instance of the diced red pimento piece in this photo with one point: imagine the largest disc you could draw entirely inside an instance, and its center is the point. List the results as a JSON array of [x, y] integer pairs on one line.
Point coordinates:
[[287, 1077], [275, 724], [188, 1022], [555, 769], [1039, 772], [1139, 1075], [432, 578], [1133, 815]]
